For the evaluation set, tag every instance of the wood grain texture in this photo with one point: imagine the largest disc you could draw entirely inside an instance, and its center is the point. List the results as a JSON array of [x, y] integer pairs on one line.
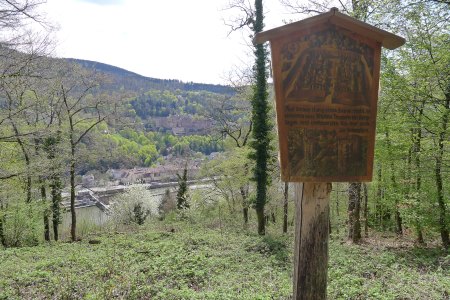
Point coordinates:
[[311, 240]]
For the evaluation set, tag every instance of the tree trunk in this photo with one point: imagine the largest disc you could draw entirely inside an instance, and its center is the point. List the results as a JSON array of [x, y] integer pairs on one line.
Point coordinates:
[[244, 194], [442, 209], [417, 145], [417, 224], [337, 189], [398, 217], [245, 215], [27, 162], [438, 170], [408, 175], [311, 240], [366, 211], [73, 214], [73, 111], [37, 146], [50, 147], [261, 220], [2, 230], [329, 224], [398, 220], [233, 203], [56, 200], [46, 212], [285, 207], [379, 197], [28, 187], [73, 226], [354, 205], [227, 200], [2, 233]]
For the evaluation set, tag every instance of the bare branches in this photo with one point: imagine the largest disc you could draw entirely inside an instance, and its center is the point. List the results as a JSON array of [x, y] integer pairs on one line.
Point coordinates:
[[4, 175], [440, 1], [87, 130], [231, 118], [21, 45], [244, 18], [240, 77], [16, 13], [310, 7]]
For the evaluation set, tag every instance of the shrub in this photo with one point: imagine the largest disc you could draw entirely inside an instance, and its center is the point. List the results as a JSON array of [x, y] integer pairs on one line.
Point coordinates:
[[166, 205], [22, 224], [133, 207]]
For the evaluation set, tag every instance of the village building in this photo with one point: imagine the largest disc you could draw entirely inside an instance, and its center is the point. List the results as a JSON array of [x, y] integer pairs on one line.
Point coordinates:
[[161, 173], [181, 125]]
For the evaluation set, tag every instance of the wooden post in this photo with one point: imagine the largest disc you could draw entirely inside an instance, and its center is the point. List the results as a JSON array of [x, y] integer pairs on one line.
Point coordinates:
[[311, 240]]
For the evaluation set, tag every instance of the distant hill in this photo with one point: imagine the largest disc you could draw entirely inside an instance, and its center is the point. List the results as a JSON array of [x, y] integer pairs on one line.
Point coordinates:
[[124, 79], [106, 68]]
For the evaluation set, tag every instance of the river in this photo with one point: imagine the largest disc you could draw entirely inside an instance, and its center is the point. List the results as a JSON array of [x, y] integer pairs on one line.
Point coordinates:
[[92, 217]]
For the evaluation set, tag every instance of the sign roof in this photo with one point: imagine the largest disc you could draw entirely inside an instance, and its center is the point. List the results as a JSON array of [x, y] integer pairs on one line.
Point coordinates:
[[387, 39]]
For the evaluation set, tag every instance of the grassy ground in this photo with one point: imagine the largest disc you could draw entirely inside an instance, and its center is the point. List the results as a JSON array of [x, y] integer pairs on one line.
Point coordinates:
[[182, 260]]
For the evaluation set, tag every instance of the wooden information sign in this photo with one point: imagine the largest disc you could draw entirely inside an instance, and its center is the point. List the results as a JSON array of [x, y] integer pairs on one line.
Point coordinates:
[[326, 73]]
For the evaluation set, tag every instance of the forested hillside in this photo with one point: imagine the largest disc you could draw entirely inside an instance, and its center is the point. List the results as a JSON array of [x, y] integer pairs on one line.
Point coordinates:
[[155, 118]]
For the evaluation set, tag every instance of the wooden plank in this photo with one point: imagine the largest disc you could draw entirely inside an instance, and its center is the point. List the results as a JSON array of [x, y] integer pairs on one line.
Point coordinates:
[[311, 240], [387, 39]]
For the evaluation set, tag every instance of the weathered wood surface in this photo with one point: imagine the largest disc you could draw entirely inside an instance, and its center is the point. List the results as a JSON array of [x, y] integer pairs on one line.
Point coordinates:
[[326, 76], [311, 240], [326, 87]]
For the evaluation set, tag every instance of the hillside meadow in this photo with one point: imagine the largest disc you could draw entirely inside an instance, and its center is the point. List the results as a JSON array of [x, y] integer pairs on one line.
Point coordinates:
[[198, 257]]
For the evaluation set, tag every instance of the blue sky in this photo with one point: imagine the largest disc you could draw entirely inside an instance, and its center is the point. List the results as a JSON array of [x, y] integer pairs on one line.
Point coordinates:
[[169, 39]]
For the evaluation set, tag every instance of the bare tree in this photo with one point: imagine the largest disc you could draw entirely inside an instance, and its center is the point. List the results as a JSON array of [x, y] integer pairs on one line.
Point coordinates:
[[83, 110]]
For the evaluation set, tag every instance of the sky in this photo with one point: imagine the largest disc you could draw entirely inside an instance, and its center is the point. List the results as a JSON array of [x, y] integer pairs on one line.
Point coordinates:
[[168, 39]]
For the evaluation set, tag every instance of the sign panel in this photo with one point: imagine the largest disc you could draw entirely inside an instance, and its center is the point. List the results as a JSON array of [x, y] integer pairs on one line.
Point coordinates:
[[326, 85]]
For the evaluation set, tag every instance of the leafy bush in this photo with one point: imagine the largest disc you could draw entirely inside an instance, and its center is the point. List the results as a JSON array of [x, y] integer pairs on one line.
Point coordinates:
[[166, 205]]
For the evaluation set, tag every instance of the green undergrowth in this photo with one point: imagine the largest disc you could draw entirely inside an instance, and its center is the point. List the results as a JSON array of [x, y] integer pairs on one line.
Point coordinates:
[[192, 262], [401, 273], [186, 261]]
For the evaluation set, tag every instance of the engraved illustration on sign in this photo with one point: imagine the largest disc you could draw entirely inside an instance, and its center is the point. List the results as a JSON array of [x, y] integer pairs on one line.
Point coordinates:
[[319, 152], [327, 67]]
